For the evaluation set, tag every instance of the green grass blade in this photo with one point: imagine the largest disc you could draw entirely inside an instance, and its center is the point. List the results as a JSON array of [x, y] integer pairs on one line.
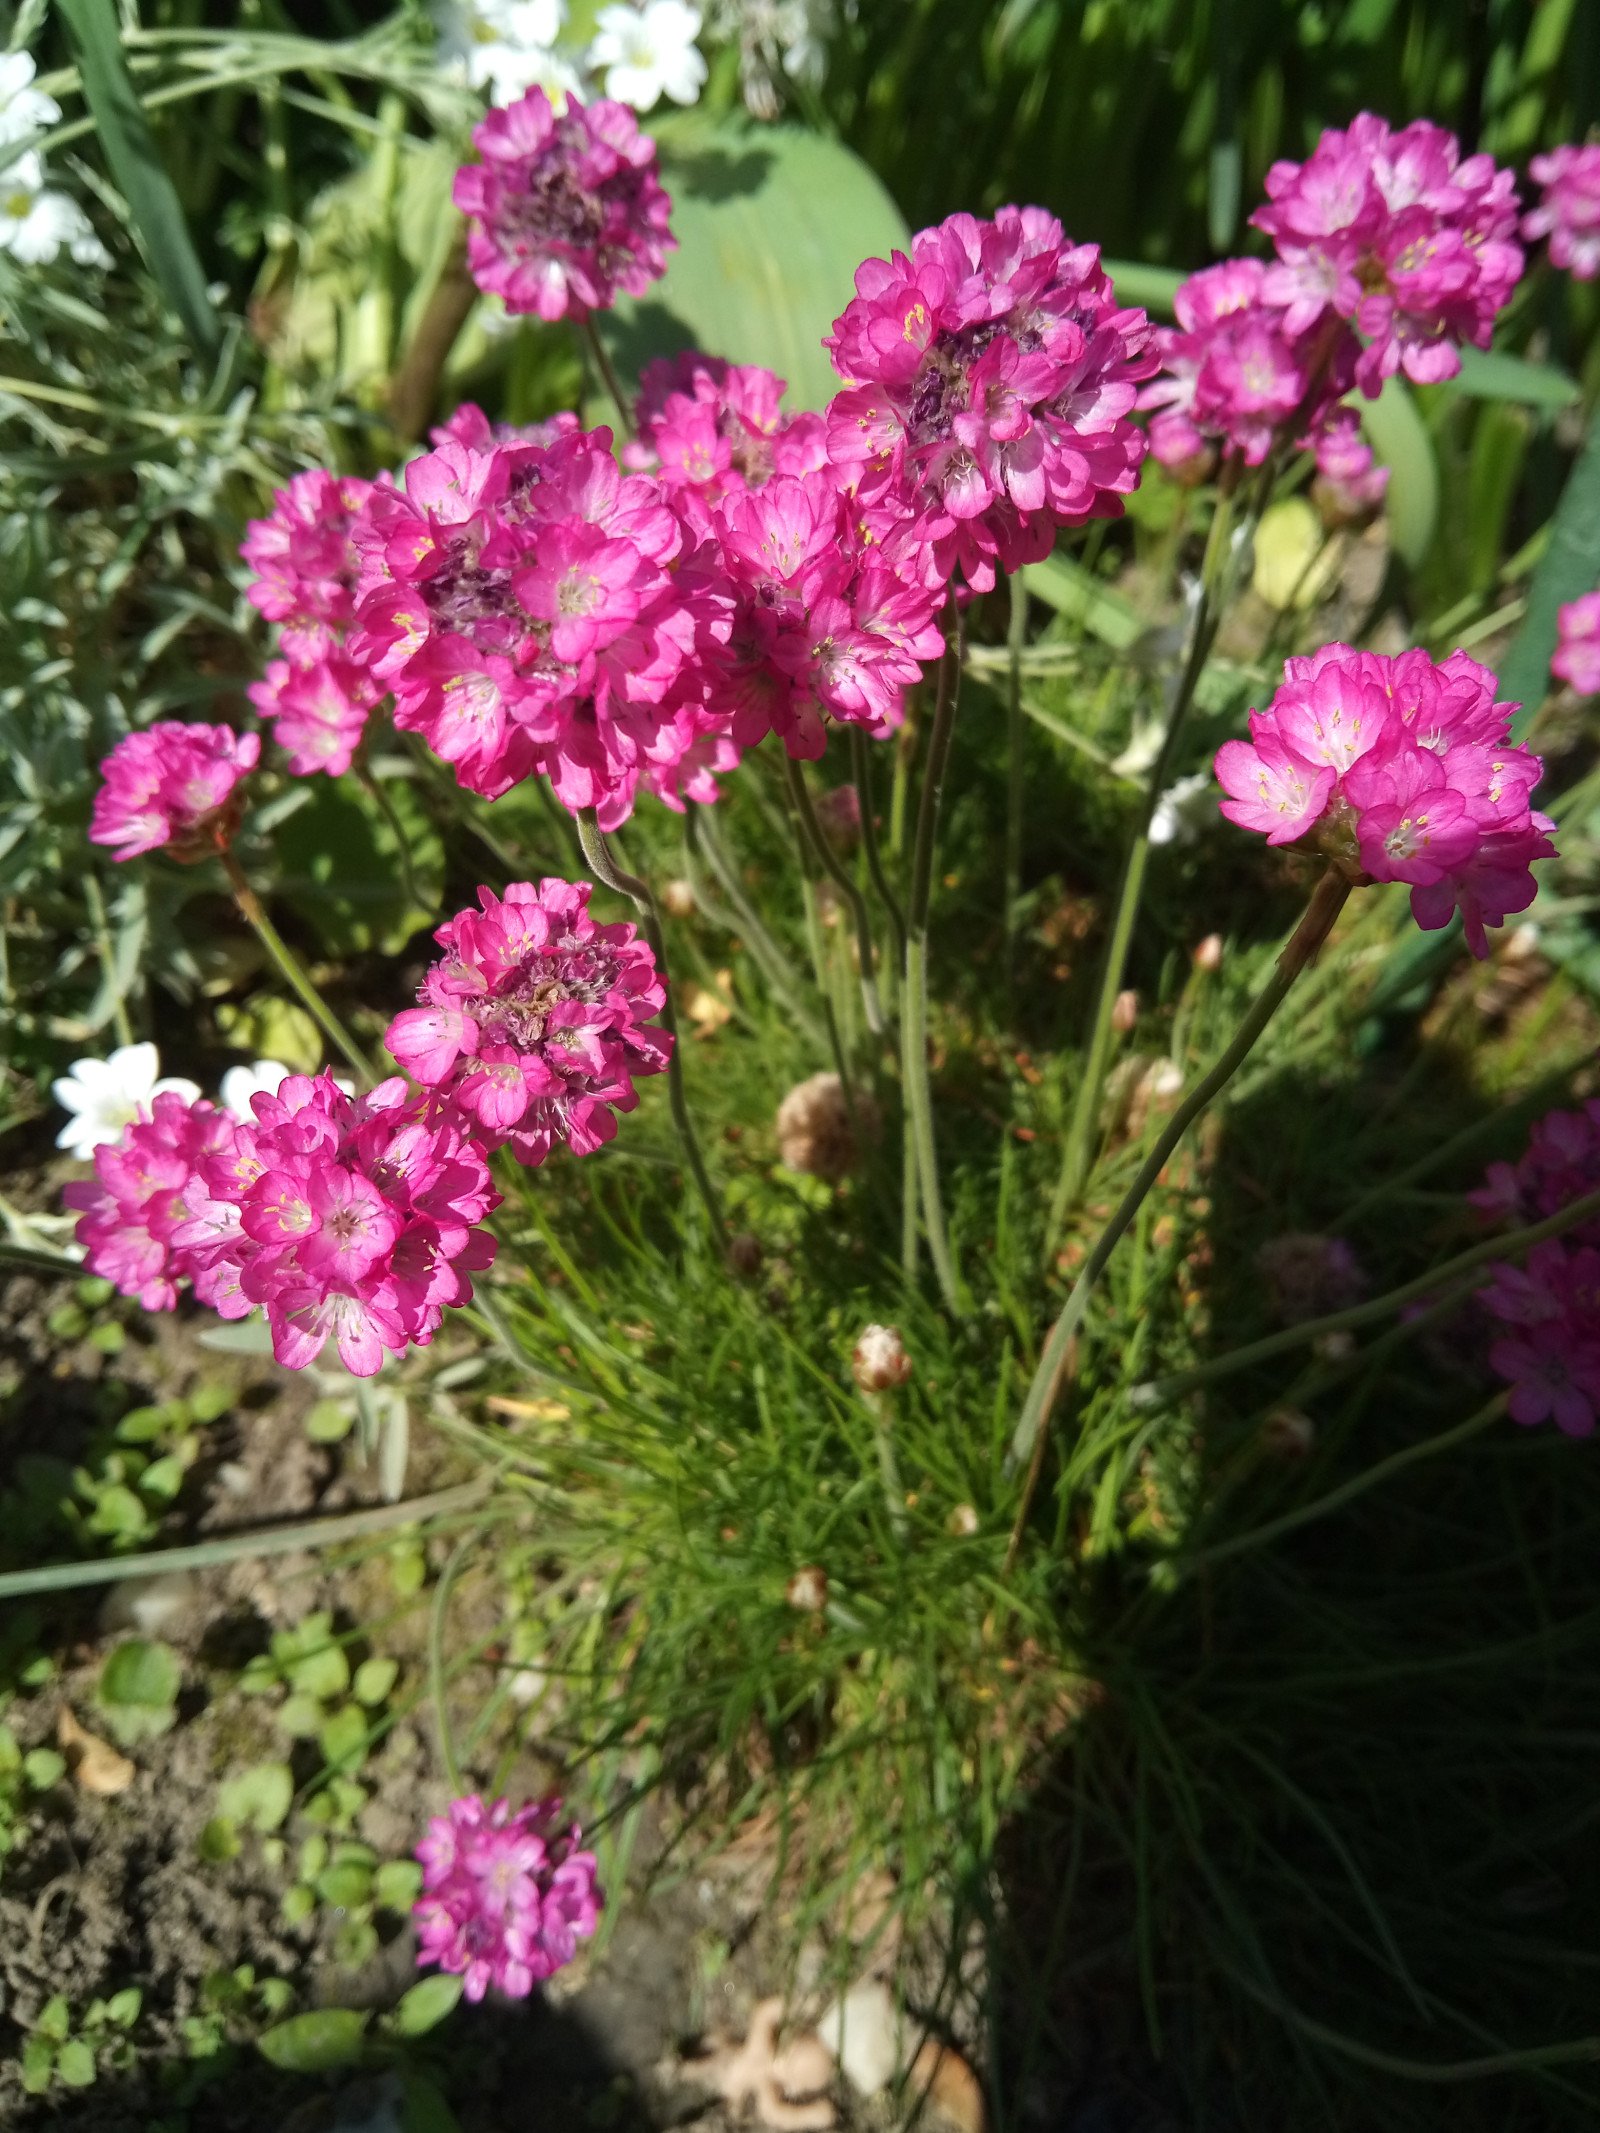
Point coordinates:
[[1570, 566], [130, 148]]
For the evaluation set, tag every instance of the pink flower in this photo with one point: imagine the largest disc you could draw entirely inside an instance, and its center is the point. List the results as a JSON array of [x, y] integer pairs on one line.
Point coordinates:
[[990, 379], [1577, 654], [1397, 770], [535, 610], [506, 1894], [713, 426], [1560, 1164], [173, 788], [319, 711], [1551, 1355], [131, 1210], [534, 1021], [566, 212], [1396, 233], [1569, 212]]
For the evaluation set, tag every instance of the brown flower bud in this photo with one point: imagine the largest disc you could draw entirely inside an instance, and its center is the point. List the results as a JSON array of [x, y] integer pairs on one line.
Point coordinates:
[[1288, 1434], [1125, 1012], [678, 897], [807, 1590], [879, 1362], [815, 1132], [962, 1522], [1208, 956], [745, 1255]]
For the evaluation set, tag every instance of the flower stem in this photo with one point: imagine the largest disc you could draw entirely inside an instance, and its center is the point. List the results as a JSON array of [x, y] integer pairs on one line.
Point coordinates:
[[894, 1491], [811, 829], [597, 852], [1016, 639], [294, 971], [1510, 1244], [1078, 1154], [1327, 901], [1336, 1499], [93, 897], [590, 336], [704, 841], [918, 1091], [373, 786], [861, 775]]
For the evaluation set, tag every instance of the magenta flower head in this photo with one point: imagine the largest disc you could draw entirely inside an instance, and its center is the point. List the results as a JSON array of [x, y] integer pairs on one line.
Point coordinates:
[[132, 1208], [1577, 655], [506, 1894], [1396, 770], [1568, 212], [991, 377], [534, 1022], [716, 427], [567, 211], [173, 788], [1396, 233]]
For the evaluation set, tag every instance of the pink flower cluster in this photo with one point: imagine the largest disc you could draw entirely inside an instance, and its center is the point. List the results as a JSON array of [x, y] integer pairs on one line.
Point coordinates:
[[1577, 654], [1398, 770], [173, 788], [990, 378], [350, 1218], [1395, 232], [1235, 378], [305, 562], [506, 1894], [533, 1022], [1569, 211], [535, 610], [1550, 1351], [824, 619], [566, 212], [716, 427]]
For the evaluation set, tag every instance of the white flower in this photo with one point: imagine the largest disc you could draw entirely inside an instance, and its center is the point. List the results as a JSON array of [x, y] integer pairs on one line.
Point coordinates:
[[36, 225], [105, 1096], [261, 1077], [24, 110], [506, 47], [1183, 810], [647, 53]]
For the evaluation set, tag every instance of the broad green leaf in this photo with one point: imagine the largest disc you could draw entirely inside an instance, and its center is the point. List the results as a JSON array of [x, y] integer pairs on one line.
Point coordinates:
[[342, 870], [771, 223], [1075, 592], [425, 2006], [43, 1767], [343, 1739], [397, 1884], [1151, 288], [141, 177], [258, 1797], [1488, 374], [315, 2043], [267, 1026], [1400, 443], [75, 2064], [1570, 566], [139, 1687], [374, 1679]]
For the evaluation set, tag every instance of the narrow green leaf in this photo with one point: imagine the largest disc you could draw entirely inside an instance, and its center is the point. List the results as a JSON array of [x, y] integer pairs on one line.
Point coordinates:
[[1487, 374], [425, 2006], [1076, 593], [1569, 566], [315, 2043], [130, 149], [1401, 443]]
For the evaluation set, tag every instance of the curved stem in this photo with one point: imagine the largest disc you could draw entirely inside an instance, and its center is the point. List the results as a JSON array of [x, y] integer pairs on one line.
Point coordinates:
[[1510, 1244], [295, 973], [704, 841], [598, 854], [1327, 901], [861, 775], [840, 875], [373, 786], [914, 996], [1336, 1499], [1077, 1156], [590, 336], [1016, 639]]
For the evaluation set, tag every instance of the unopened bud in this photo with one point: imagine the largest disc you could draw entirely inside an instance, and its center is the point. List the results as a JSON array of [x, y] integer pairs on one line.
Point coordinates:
[[1288, 1434], [678, 896], [963, 1521], [1125, 1012], [815, 1131], [880, 1362], [1208, 956], [807, 1590], [745, 1255]]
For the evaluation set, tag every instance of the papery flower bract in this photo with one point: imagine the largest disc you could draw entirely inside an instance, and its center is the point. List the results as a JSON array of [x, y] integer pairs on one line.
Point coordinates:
[[1577, 654], [105, 1096], [1569, 212], [1397, 233], [507, 1894], [990, 377], [1399, 770], [565, 211], [172, 787], [648, 52], [534, 1021]]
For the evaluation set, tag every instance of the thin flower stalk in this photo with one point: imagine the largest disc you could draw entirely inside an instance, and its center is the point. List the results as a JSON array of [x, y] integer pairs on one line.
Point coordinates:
[[295, 973], [812, 831], [918, 1093], [598, 854], [595, 348], [1016, 640], [1327, 901], [704, 841]]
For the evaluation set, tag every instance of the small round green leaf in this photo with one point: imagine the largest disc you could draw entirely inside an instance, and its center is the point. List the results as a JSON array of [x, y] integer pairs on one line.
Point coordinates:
[[75, 2064], [425, 2006], [374, 1679], [316, 2043]]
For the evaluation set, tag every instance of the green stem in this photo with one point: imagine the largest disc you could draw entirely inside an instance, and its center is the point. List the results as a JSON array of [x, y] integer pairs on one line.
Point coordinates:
[[914, 993], [1327, 901], [1016, 639], [33, 1259], [812, 830], [1077, 1156], [597, 852], [1336, 1499], [295, 973], [1510, 1244], [380, 799], [436, 1674], [590, 336], [894, 1493], [861, 774], [704, 841], [108, 961]]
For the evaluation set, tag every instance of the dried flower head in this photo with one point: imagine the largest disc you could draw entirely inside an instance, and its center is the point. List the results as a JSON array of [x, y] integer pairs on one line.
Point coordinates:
[[879, 1362], [816, 1134]]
